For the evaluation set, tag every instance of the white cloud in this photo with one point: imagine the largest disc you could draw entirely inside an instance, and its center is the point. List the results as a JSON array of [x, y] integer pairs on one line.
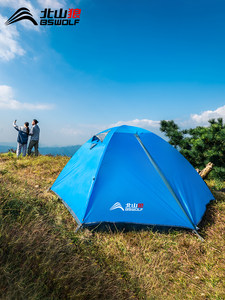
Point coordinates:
[[203, 117], [145, 123], [7, 101], [9, 46], [82, 132], [9, 35], [72, 134], [195, 119], [16, 4], [55, 4]]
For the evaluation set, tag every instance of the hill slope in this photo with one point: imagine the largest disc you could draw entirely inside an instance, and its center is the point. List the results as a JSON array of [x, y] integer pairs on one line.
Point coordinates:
[[41, 257]]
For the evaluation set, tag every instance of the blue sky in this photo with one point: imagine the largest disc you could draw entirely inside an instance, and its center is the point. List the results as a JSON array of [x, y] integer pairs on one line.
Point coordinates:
[[126, 62]]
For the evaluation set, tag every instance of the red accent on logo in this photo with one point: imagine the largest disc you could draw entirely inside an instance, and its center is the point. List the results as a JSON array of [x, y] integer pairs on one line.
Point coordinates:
[[140, 205], [74, 13]]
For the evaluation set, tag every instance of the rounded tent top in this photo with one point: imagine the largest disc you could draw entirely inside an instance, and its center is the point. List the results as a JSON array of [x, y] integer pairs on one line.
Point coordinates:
[[126, 129], [119, 129], [130, 175]]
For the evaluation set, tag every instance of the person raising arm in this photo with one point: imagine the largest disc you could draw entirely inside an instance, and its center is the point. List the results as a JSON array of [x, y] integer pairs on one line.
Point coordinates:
[[22, 138]]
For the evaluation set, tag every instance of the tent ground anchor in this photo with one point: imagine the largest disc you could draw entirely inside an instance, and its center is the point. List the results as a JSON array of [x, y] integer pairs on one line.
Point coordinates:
[[198, 235], [78, 227]]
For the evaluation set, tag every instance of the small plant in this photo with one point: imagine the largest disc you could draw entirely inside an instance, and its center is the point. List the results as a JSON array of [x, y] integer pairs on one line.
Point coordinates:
[[12, 207], [10, 154], [11, 150], [219, 184], [3, 172]]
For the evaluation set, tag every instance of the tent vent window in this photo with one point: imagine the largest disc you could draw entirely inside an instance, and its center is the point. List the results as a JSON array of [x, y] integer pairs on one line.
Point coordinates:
[[98, 137]]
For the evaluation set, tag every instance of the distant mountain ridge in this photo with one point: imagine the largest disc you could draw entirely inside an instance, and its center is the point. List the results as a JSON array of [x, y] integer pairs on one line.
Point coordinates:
[[66, 151]]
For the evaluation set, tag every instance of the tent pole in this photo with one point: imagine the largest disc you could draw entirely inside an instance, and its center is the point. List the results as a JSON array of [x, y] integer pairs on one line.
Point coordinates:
[[198, 235], [168, 186], [78, 227], [164, 180]]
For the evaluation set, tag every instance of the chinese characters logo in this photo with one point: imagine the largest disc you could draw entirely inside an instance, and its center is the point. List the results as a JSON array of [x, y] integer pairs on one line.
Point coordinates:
[[128, 207], [58, 17]]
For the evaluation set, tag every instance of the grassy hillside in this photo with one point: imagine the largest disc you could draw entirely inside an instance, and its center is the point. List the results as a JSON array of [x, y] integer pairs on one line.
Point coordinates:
[[41, 256]]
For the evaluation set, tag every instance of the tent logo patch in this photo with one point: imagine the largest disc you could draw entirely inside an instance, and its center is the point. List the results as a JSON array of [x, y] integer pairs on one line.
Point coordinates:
[[116, 205], [134, 207], [128, 207]]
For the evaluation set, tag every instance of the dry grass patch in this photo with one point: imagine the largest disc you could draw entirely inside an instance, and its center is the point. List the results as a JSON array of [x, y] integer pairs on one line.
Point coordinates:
[[41, 257]]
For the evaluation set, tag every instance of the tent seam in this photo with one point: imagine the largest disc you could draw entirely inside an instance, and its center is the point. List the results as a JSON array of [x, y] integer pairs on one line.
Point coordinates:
[[96, 175], [156, 167]]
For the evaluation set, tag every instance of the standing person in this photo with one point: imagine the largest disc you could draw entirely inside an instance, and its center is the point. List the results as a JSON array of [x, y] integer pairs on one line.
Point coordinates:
[[23, 133], [35, 134]]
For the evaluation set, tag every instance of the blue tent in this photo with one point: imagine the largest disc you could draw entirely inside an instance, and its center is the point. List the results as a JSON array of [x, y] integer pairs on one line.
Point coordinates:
[[130, 175]]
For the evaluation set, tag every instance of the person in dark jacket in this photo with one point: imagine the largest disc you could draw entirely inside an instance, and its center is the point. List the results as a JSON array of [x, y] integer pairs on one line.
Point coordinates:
[[35, 134], [22, 138]]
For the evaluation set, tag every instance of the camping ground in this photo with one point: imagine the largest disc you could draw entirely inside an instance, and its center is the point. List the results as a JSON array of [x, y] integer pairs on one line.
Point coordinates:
[[41, 256]]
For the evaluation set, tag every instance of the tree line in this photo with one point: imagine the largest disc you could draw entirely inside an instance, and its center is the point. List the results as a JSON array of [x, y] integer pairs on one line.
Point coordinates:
[[200, 145]]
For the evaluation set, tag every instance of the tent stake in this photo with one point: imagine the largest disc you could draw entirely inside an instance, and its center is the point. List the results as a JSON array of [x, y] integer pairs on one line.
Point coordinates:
[[78, 227], [198, 235]]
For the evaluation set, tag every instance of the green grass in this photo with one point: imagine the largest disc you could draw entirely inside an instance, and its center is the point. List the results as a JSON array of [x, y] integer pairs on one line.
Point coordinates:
[[41, 256]]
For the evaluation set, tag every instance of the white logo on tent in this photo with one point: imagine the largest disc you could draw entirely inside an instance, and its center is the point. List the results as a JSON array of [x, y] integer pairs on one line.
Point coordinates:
[[134, 206], [128, 207], [116, 205]]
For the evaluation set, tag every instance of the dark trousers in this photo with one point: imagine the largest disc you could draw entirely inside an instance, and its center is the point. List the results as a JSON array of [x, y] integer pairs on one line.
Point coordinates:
[[31, 145]]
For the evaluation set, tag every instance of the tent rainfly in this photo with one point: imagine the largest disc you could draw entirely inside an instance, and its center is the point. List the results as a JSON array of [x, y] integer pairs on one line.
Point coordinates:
[[130, 175]]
